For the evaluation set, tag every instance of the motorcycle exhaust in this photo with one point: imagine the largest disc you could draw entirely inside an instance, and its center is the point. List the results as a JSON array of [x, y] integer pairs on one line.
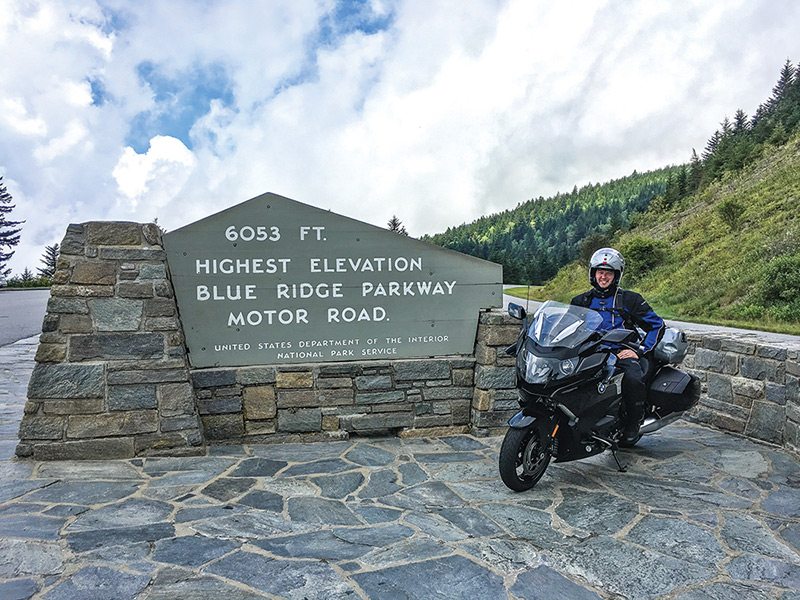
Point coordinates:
[[650, 425]]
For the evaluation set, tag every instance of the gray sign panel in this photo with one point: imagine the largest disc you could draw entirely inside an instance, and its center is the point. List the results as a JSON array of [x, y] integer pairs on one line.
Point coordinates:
[[273, 281]]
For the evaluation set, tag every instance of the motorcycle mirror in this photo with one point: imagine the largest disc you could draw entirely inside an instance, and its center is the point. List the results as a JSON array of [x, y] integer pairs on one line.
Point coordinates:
[[516, 311], [618, 336]]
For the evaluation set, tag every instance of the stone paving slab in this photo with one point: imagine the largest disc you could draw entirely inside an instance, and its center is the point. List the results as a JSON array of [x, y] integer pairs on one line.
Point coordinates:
[[700, 514]]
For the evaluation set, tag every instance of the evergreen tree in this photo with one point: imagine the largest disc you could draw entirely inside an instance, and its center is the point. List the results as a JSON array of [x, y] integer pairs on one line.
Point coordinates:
[[711, 145], [396, 225], [779, 135], [671, 195], [615, 223], [793, 102], [9, 232], [682, 183], [713, 156], [785, 79], [26, 275], [49, 259], [762, 112], [695, 172], [783, 116], [740, 122], [794, 88]]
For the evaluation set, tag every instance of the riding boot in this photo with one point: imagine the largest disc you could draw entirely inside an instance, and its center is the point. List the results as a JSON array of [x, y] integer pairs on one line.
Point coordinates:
[[633, 419], [633, 397]]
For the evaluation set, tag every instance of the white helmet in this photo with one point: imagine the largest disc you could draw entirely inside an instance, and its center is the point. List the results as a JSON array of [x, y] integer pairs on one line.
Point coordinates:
[[606, 258]]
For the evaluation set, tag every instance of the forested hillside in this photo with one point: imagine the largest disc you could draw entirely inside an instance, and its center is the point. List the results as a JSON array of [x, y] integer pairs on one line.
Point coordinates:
[[727, 248], [535, 239]]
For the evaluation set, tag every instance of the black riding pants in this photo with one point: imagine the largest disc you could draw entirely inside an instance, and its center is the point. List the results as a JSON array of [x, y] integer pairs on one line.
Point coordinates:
[[634, 392]]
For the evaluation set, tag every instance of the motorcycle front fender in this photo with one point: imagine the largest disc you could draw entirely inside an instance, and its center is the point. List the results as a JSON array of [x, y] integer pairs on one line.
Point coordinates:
[[521, 421]]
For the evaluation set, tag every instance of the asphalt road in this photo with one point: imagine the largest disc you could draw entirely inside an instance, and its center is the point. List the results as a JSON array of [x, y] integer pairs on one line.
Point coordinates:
[[21, 313]]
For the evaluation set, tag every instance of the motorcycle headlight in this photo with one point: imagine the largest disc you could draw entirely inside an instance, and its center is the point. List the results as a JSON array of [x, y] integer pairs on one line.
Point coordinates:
[[567, 367], [537, 369]]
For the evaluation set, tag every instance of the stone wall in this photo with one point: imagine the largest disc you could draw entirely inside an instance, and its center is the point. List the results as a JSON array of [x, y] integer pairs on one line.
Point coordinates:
[[750, 386], [111, 378], [494, 401], [275, 403]]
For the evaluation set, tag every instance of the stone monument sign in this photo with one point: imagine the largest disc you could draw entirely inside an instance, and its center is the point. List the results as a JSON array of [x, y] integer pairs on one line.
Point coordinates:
[[275, 281]]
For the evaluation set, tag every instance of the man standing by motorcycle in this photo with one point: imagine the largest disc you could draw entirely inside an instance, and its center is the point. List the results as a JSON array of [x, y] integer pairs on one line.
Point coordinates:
[[623, 309]]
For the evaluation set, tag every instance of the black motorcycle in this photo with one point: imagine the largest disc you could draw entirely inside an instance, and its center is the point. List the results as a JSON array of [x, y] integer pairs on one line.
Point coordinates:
[[570, 391]]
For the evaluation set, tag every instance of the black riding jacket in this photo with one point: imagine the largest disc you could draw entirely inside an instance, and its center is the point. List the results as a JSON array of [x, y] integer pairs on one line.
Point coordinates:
[[624, 309]]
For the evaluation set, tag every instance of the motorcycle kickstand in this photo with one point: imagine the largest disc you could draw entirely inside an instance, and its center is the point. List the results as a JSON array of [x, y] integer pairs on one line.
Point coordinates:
[[614, 454], [613, 447]]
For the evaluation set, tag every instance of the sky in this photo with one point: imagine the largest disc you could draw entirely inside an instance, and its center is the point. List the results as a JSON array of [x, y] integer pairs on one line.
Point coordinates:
[[436, 111]]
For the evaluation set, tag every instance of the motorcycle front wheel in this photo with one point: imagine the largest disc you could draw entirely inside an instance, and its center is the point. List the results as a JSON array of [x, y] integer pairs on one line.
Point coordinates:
[[524, 456]]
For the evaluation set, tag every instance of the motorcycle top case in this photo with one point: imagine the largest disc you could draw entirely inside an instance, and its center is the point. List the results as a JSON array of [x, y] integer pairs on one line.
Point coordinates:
[[672, 347], [673, 389]]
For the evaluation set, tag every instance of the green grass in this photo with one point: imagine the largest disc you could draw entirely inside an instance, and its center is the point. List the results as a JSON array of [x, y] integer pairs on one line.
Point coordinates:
[[524, 292]]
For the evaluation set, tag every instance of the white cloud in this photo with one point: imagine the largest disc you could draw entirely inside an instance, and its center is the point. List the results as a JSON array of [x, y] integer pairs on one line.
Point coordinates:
[[74, 133], [77, 93], [16, 116], [447, 114], [155, 177]]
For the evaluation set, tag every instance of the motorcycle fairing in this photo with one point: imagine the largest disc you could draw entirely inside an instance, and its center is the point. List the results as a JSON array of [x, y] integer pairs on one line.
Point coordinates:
[[557, 325], [521, 421]]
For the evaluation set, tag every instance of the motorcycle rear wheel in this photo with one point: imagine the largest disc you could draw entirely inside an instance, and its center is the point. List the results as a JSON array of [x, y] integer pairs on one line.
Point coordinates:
[[524, 456]]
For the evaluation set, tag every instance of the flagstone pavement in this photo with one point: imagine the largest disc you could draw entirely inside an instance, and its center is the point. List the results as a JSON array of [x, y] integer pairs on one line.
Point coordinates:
[[700, 514]]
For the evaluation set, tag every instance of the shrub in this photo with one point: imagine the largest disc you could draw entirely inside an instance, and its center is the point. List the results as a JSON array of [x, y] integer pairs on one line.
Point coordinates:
[[642, 255], [780, 281], [730, 211], [748, 311], [789, 312], [33, 282]]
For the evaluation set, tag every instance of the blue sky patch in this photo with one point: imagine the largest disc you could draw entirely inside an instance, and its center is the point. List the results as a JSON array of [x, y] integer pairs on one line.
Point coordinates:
[[180, 100], [349, 16], [110, 21], [99, 92], [114, 20]]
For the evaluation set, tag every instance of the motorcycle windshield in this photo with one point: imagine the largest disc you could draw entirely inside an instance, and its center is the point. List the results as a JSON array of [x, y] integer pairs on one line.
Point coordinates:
[[563, 325]]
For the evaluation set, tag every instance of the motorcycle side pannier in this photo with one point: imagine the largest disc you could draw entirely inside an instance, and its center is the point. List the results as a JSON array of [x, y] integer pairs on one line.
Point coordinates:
[[672, 347], [674, 390]]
